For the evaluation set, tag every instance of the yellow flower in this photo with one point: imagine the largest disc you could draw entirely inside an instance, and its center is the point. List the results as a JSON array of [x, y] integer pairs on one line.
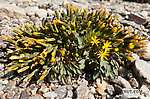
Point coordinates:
[[107, 45], [120, 40], [36, 63], [116, 49], [35, 58], [21, 60], [77, 55], [38, 46], [11, 29], [128, 51], [63, 27], [71, 8], [73, 24], [131, 45], [40, 61], [95, 41], [86, 9], [44, 72], [67, 5], [46, 28], [134, 41], [39, 41], [73, 31], [93, 15], [62, 52], [13, 57], [9, 51], [89, 23], [114, 29], [42, 77], [52, 59], [53, 53], [102, 54], [10, 68], [102, 26], [130, 58]]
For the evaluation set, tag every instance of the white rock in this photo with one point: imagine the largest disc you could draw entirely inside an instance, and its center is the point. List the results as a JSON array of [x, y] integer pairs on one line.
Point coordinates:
[[91, 96], [3, 81], [144, 89], [41, 13], [7, 9], [50, 12], [122, 82], [143, 69], [50, 95], [144, 14], [30, 11]]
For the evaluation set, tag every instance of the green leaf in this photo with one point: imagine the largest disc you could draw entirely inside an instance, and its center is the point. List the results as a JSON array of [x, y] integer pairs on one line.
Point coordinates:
[[96, 74], [82, 63]]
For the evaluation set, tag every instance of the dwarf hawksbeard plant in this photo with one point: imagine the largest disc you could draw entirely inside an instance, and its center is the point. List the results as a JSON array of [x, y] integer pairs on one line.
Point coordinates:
[[71, 42]]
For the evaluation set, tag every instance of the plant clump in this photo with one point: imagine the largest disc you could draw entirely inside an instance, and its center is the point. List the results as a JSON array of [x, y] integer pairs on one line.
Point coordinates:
[[71, 42]]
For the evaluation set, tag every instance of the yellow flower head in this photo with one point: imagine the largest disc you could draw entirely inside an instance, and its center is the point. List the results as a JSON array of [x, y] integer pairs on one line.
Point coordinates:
[[52, 59], [71, 8], [86, 9], [77, 55], [116, 49], [21, 60], [120, 40], [95, 40], [42, 77], [102, 54], [89, 23], [107, 45], [131, 45], [53, 53], [130, 58], [63, 27], [128, 51], [73, 24], [102, 26], [93, 15], [114, 29], [73, 31], [62, 52], [40, 61]]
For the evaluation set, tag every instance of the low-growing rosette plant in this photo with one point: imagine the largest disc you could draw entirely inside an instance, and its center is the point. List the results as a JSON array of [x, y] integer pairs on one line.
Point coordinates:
[[70, 42]]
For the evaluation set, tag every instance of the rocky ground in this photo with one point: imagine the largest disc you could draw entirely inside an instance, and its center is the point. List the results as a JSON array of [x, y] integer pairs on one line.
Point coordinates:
[[132, 83]]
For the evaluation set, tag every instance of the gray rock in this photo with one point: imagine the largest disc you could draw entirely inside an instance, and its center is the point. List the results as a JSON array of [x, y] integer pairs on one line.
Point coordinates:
[[122, 82], [34, 91], [123, 71], [61, 91], [110, 89], [36, 97], [142, 69], [50, 95], [41, 13], [43, 89], [130, 93], [91, 96], [8, 86], [82, 91], [24, 95], [11, 10], [144, 89], [30, 11], [137, 18]]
